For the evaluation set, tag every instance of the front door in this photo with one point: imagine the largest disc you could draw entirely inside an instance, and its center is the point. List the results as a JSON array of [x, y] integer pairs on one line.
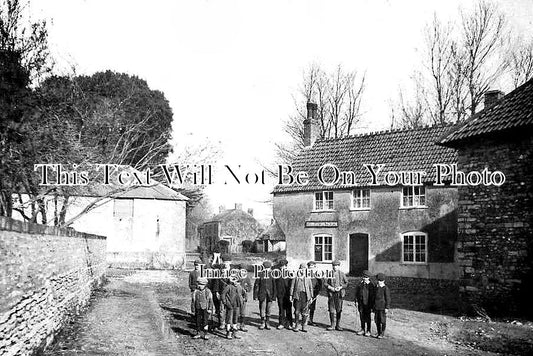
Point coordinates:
[[358, 254]]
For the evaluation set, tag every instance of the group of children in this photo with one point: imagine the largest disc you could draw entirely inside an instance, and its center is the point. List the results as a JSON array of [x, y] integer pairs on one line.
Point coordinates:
[[227, 298]]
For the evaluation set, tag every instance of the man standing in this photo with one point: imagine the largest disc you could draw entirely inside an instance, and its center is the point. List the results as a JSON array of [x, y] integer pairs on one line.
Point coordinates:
[[317, 287], [336, 287], [364, 301], [301, 293], [283, 286], [265, 292]]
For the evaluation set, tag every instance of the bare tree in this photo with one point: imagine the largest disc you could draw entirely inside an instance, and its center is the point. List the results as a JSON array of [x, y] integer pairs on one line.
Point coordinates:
[[461, 63], [439, 62], [521, 62], [338, 96], [483, 36], [413, 113]]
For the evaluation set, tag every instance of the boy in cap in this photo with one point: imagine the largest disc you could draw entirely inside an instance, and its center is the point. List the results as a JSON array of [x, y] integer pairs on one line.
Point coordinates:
[[194, 275], [219, 286], [364, 299], [301, 293], [246, 285], [336, 287], [265, 292], [202, 306], [283, 288], [232, 299], [317, 287], [381, 305]]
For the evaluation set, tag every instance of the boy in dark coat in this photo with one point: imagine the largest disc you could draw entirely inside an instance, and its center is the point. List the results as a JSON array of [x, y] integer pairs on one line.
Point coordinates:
[[232, 300], [202, 306], [265, 292], [381, 305], [364, 301], [283, 286], [317, 287], [336, 288], [301, 293]]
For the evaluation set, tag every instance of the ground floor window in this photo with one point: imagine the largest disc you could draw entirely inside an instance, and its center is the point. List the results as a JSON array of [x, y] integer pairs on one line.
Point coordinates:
[[414, 247], [323, 248]]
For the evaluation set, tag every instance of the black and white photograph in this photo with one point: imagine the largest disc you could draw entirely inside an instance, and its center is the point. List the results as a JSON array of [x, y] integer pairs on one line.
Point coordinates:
[[266, 178]]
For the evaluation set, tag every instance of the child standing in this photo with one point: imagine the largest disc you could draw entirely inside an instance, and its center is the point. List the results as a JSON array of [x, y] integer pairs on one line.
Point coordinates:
[[364, 298], [232, 299], [381, 305], [202, 306]]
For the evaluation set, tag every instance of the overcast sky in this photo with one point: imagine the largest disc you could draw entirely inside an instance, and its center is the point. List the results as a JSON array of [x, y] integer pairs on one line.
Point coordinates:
[[229, 68]]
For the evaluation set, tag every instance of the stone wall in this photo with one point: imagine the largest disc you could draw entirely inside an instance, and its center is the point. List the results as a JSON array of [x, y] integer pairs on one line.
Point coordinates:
[[421, 294], [495, 225], [46, 274]]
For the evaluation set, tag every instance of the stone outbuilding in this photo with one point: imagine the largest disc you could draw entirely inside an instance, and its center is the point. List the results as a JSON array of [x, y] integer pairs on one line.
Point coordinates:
[[272, 240], [495, 250]]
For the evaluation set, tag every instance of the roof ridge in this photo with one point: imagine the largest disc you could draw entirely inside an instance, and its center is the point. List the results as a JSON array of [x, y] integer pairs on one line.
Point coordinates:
[[387, 131]]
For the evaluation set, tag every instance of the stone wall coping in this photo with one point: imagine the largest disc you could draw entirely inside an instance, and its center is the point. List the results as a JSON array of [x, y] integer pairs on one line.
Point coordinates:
[[10, 224]]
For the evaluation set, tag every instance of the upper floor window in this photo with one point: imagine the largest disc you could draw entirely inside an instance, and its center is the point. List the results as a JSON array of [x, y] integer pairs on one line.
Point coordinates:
[[413, 196], [323, 248], [414, 248], [324, 201], [361, 199]]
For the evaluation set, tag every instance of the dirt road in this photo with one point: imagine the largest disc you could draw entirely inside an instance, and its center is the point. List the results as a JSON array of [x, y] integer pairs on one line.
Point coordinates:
[[146, 313]]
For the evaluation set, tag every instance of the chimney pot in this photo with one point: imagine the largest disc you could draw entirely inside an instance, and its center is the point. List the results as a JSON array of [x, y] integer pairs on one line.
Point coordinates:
[[492, 97]]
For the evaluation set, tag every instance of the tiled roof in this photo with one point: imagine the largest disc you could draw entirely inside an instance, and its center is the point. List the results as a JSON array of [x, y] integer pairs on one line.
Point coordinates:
[[232, 214], [400, 150], [155, 190], [515, 110]]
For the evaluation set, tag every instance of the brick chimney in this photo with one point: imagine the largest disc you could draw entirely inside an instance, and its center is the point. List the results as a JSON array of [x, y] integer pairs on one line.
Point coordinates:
[[311, 128], [492, 97]]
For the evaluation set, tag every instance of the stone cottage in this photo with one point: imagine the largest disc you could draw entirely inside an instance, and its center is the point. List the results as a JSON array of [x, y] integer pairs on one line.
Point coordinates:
[[400, 230], [495, 250], [272, 240], [226, 231]]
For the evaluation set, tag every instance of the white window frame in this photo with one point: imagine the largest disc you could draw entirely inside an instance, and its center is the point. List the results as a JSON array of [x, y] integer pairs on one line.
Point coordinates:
[[323, 236], [416, 198], [414, 234], [357, 195], [324, 200]]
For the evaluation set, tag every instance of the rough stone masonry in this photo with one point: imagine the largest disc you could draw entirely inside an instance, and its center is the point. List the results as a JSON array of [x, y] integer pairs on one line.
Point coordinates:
[[47, 274]]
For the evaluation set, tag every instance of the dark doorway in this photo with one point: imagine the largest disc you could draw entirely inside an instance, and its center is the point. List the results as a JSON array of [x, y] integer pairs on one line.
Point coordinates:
[[358, 254]]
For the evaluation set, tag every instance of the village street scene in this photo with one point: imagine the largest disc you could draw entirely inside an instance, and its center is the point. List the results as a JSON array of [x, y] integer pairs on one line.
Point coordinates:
[[266, 178]]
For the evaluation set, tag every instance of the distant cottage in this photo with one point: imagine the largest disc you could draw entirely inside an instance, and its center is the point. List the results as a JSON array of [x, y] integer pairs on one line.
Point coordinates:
[[406, 231], [495, 242], [227, 231], [272, 240]]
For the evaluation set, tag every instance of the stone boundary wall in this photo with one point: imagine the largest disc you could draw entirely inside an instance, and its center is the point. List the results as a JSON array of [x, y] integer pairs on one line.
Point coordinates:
[[46, 275], [421, 294]]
